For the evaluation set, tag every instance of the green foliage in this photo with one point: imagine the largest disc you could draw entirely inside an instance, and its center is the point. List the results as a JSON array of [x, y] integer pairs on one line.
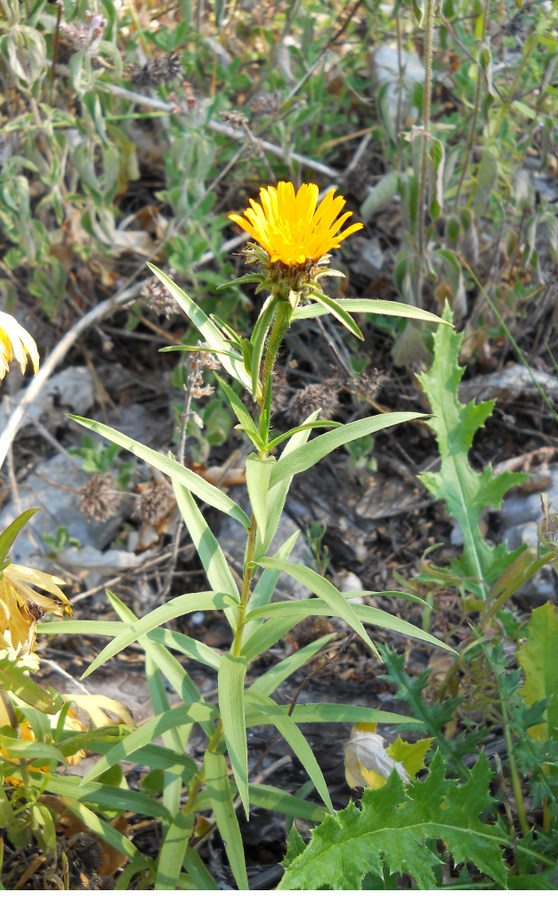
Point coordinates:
[[396, 830], [537, 658], [56, 543], [434, 716], [98, 457], [467, 493]]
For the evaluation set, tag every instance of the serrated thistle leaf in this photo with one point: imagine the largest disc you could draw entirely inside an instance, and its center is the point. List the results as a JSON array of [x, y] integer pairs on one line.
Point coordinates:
[[466, 492], [395, 830]]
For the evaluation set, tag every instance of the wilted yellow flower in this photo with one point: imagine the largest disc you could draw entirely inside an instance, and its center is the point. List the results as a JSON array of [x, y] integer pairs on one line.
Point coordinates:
[[367, 763], [15, 343], [26, 733], [21, 606], [291, 228]]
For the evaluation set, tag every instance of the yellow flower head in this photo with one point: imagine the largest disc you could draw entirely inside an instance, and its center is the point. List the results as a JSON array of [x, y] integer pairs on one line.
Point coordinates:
[[21, 606], [15, 343], [291, 228]]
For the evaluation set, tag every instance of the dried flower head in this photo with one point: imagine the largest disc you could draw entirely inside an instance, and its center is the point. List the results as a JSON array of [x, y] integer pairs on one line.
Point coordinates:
[[156, 71], [160, 299], [324, 396], [155, 502], [98, 498], [291, 227], [15, 343]]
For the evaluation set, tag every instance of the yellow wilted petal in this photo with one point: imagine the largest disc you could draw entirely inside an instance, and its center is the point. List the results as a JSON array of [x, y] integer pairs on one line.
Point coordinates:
[[21, 606], [96, 705], [367, 764], [291, 227], [16, 343]]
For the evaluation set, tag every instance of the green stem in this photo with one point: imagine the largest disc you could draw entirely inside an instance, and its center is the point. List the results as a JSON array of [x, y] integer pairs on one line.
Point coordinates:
[[476, 108], [199, 779], [514, 775], [427, 101], [280, 325]]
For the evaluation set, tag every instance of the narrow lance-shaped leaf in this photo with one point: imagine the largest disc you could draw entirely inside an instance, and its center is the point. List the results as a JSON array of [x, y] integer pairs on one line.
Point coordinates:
[[213, 559], [219, 789], [321, 586], [10, 533], [375, 307], [304, 458], [179, 606], [195, 483], [341, 314], [214, 337], [296, 610], [232, 673], [278, 492], [272, 713], [148, 732], [258, 474]]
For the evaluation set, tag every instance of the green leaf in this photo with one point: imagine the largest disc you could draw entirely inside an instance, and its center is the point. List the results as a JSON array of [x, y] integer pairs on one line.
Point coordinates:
[[265, 586], [212, 557], [195, 483], [269, 633], [537, 658], [153, 728], [244, 418], [258, 474], [270, 713], [269, 797], [397, 828], [307, 713], [10, 533], [278, 492], [106, 796], [220, 790], [380, 195], [259, 335], [14, 680], [233, 364], [341, 314], [322, 587], [160, 662], [314, 606], [197, 871], [102, 829], [270, 680], [17, 749], [174, 640], [303, 458], [173, 851], [466, 492], [179, 606], [318, 423], [232, 673], [374, 307]]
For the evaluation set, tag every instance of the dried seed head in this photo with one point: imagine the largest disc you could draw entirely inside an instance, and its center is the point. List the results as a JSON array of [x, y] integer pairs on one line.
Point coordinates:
[[312, 397], [160, 70], [98, 498], [159, 299], [156, 501]]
